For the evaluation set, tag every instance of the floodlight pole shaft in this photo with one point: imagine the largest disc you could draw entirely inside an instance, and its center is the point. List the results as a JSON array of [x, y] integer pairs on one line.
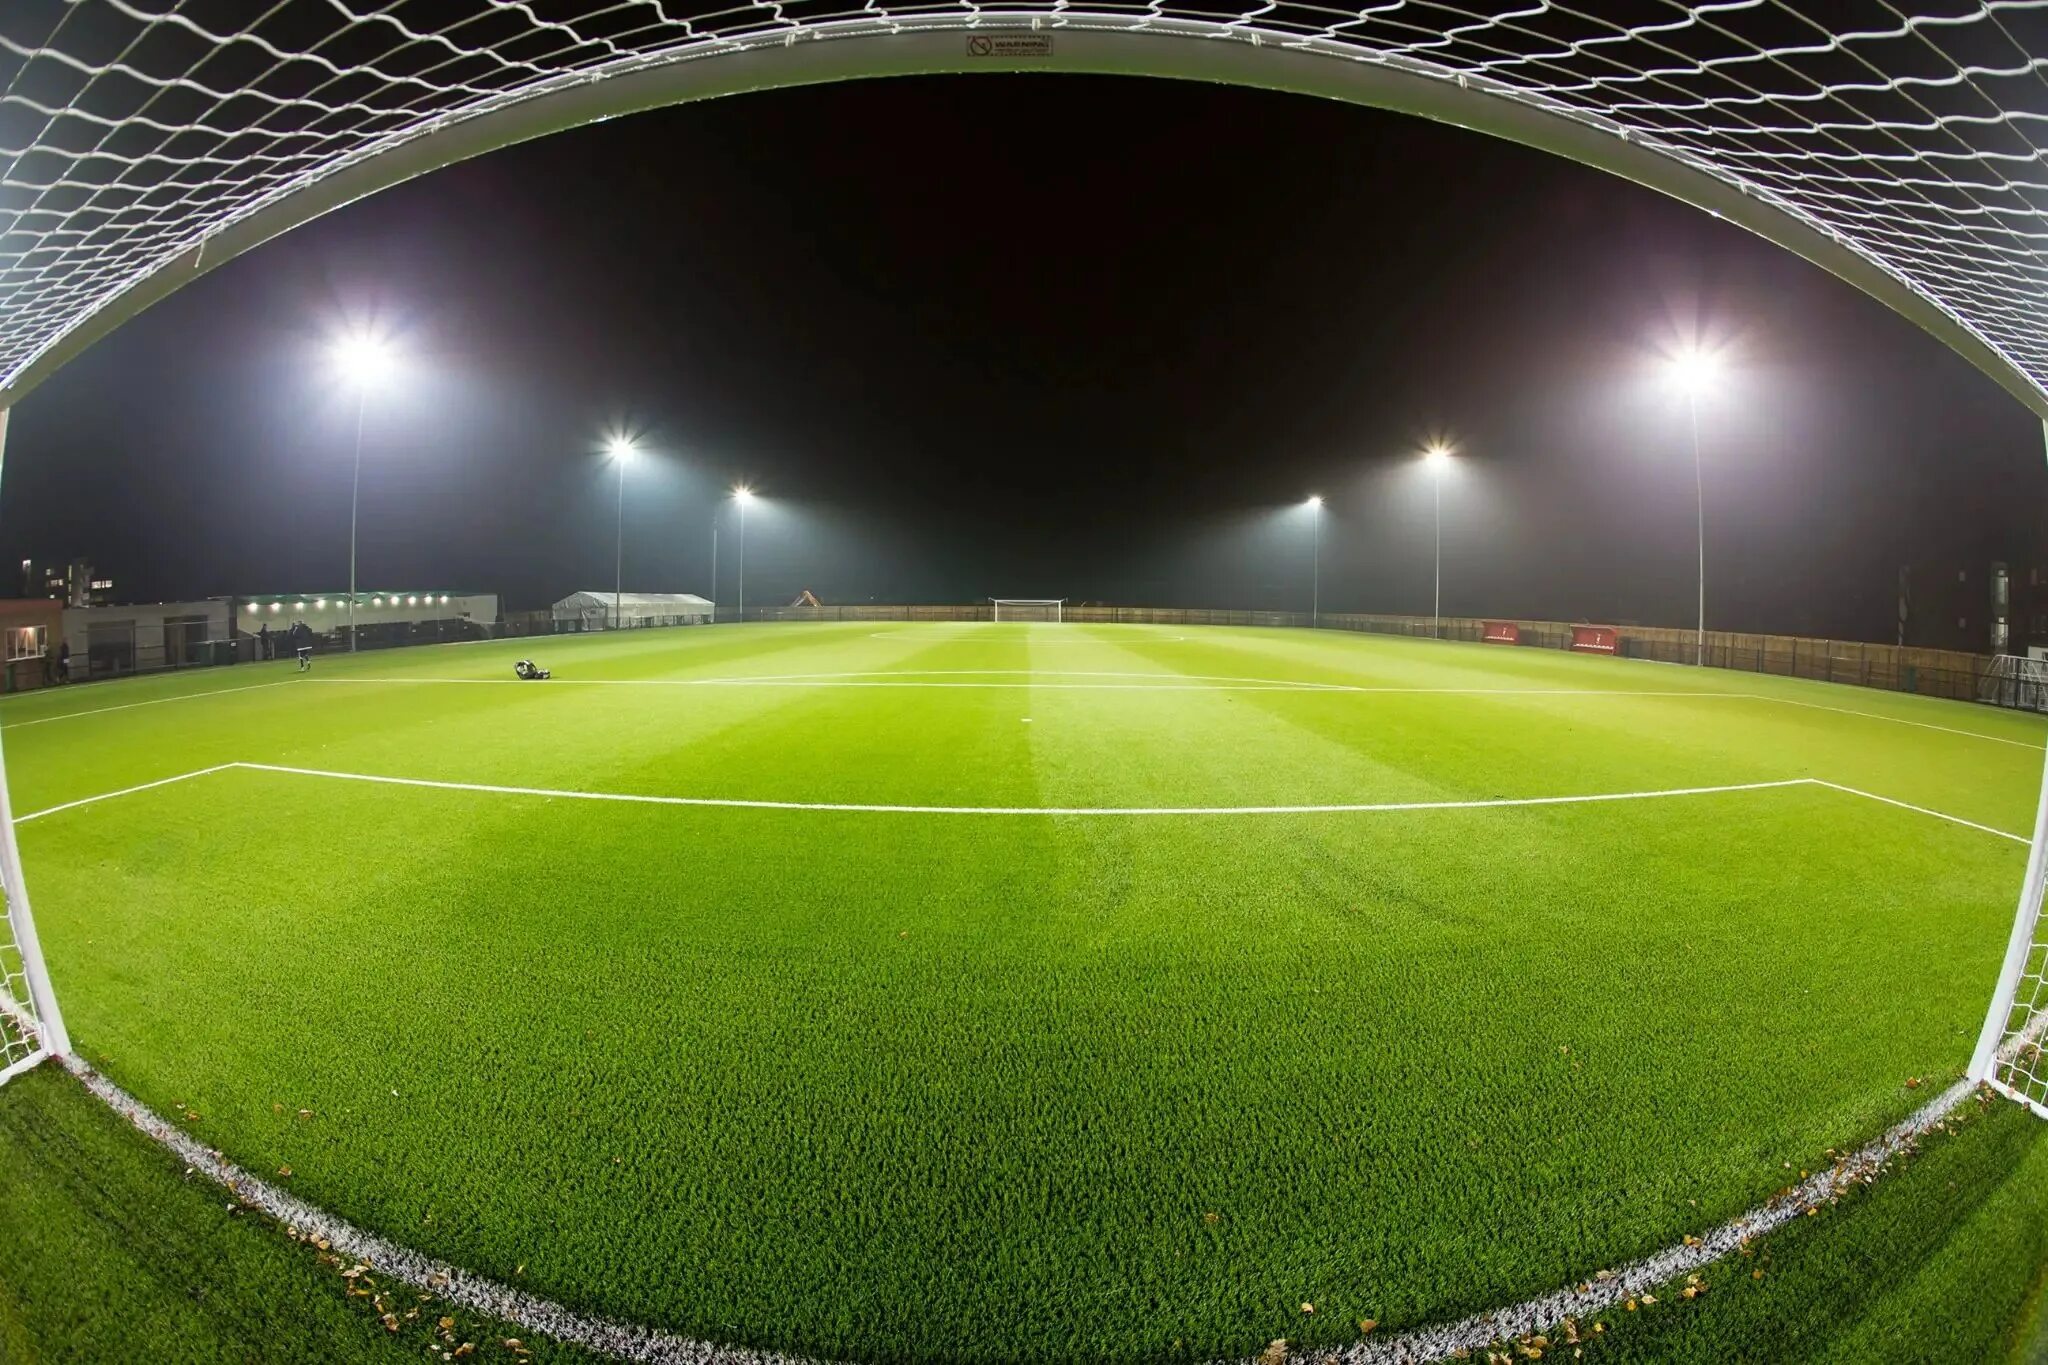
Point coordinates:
[[355, 489], [1315, 560], [714, 568], [740, 596], [1699, 511], [2020, 945], [619, 554], [1436, 610], [42, 996]]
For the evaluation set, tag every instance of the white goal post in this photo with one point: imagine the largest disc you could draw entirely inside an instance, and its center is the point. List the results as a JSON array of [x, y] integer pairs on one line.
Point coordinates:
[[31, 1026], [1028, 608]]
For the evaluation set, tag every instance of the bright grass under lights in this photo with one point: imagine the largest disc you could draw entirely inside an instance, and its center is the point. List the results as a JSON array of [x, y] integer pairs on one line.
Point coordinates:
[[1029, 1088]]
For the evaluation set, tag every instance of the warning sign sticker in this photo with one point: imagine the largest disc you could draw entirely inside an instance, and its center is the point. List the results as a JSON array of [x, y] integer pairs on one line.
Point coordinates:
[[1009, 45]]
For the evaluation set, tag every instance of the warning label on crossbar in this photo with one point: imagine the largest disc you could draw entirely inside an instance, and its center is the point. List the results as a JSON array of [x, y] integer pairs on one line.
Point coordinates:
[[1009, 45]]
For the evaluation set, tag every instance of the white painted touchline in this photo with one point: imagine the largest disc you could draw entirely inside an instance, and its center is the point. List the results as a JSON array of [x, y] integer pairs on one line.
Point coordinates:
[[652, 1346], [892, 808], [154, 701]]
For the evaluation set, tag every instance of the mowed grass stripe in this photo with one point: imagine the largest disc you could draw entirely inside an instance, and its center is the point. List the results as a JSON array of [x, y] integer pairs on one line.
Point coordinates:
[[971, 1090]]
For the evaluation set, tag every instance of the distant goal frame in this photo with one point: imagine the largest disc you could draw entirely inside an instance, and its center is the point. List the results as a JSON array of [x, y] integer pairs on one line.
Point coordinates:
[[1057, 606]]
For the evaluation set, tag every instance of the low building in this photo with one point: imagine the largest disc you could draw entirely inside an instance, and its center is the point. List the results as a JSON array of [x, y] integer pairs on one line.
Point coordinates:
[[30, 632], [380, 618], [144, 636], [595, 610]]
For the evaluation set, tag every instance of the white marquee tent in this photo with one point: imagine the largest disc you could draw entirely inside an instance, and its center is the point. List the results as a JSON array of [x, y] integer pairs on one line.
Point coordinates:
[[594, 609]]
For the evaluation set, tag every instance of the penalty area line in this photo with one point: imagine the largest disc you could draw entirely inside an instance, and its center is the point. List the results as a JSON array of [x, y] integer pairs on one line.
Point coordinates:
[[880, 808], [894, 808], [154, 701]]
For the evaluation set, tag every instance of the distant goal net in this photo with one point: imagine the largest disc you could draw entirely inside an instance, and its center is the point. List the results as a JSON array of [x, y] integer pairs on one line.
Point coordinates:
[[2016, 682], [1027, 608]]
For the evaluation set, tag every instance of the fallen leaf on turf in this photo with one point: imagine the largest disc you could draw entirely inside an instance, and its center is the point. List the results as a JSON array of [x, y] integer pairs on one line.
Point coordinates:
[[285, 1171], [1365, 1326], [1275, 1352], [1307, 1307]]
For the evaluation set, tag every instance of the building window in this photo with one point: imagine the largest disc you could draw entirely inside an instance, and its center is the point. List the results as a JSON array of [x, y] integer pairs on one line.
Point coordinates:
[[24, 642]]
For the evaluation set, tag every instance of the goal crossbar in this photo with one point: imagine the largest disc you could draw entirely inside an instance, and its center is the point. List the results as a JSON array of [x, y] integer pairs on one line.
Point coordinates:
[[1027, 608]]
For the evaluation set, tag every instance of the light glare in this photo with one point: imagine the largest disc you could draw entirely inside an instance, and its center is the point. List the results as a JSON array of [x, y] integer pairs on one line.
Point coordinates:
[[1437, 457], [363, 358], [1694, 369], [742, 494]]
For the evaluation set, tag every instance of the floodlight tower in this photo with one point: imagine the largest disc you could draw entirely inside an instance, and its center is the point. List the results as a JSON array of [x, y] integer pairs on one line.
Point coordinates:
[[362, 359], [1315, 558], [1437, 458], [621, 448], [742, 495], [1695, 370]]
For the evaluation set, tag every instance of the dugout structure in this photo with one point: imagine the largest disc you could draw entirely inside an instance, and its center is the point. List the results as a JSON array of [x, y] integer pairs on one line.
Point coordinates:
[[1905, 149]]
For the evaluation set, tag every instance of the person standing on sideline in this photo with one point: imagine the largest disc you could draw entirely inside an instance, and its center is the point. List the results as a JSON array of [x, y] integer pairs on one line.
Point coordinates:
[[263, 650], [302, 644], [63, 661]]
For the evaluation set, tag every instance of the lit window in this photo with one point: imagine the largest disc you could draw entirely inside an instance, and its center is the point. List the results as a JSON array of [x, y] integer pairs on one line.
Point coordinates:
[[24, 642]]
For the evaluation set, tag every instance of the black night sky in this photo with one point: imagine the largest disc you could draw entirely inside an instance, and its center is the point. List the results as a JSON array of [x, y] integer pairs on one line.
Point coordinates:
[[1033, 336]]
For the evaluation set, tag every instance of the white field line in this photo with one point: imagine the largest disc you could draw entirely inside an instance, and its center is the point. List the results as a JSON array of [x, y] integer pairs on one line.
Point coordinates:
[[1138, 682], [125, 791], [868, 808], [1894, 720], [1174, 682], [636, 1343], [131, 705], [1473, 1335], [882, 808], [1922, 810], [621, 1340]]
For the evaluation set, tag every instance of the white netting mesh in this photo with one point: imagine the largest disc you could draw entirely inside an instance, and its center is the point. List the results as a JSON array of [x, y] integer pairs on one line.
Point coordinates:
[[2015, 682], [2017, 1067], [20, 1037], [131, 130]]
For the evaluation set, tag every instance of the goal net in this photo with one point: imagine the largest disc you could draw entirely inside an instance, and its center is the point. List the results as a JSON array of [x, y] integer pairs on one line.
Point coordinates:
[[1027, 608], [2016, 682]]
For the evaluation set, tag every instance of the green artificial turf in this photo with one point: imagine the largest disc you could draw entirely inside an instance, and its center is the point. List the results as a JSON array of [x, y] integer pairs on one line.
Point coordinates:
[[895, 1086], [111, 1253]]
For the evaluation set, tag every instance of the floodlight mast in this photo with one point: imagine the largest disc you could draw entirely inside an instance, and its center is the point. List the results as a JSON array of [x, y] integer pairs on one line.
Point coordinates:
[[742, 495], [362, 359], [1694, 369], [621, 448], [1315, 559], [1438, 458]]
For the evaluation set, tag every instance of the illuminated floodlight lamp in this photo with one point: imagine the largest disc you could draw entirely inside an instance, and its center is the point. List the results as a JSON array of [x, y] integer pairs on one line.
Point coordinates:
[[1437, 456], [742, 495], [1694, 369], [376, 601], [363, 358], [1315, 500], [253, 609], [320, 604], [444, 599], [277, 606], [412, 601]]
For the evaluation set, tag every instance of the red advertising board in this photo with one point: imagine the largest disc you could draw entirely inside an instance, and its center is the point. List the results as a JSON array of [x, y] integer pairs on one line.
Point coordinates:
[[1502, 633], [1596, 639]]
